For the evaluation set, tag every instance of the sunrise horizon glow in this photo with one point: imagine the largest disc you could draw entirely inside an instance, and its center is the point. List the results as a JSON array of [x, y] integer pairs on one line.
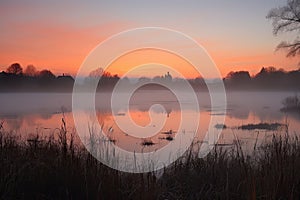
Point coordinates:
[[58, 39]]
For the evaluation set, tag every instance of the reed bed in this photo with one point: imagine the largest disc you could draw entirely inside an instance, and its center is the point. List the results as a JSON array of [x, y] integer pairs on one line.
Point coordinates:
[[49, 168]]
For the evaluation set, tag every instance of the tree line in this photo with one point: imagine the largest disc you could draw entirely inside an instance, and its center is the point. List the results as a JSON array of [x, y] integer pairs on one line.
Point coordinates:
[[269, 78], [15, 79]]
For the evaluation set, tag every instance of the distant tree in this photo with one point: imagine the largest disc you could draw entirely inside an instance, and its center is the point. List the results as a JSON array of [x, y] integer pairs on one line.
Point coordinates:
[[292, 102], [15, 68], [270, 71], [158, 78], [168, 76], [125, 80], [96, 73], [106, 75], [30, 71], [270, 77], [239, 77], [101, 73], [116, 76], [287, 19], [144, 80], [46, 74]]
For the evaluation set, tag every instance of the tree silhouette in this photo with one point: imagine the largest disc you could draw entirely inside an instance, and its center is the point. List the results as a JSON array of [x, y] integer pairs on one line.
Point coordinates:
[[239, 76], [15, 68], [239, 79], [30, 71], [46, 74], [287, 19], [96, 73]]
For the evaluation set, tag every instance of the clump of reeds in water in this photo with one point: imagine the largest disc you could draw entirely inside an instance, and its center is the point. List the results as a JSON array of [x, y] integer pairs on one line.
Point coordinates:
[[262, 126], [220, 126], [147, 142], [61, 169], [169, 138], [169, 135], [291, 104]]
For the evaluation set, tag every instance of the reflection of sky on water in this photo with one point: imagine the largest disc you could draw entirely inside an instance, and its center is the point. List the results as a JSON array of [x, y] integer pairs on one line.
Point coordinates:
[[25, 113]]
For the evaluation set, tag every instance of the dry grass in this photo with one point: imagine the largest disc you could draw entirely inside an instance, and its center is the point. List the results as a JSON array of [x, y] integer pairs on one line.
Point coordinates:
[[59, 169]]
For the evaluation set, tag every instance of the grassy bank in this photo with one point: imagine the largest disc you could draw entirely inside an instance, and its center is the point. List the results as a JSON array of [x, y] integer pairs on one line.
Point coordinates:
[[51, 168]]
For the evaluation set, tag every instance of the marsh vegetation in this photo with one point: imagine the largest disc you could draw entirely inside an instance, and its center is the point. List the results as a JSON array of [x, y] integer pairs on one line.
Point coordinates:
[[58, 168]]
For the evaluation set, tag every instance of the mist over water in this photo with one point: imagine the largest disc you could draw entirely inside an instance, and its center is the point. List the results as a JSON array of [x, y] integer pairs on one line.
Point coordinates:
[[41, 113]]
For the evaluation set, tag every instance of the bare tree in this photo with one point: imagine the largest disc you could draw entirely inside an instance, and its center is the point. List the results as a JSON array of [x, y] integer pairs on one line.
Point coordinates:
[[15, 68], [287, 19]]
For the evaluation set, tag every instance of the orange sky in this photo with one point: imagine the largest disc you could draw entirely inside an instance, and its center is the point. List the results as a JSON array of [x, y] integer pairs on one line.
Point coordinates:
[[58, 36], [68, 57]]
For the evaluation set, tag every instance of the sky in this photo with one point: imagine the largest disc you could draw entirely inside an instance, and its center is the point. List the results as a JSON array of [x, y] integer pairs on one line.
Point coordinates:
[[59, 35]]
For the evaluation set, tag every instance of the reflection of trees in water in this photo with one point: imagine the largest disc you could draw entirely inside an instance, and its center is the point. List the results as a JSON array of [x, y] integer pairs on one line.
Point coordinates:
[[239, 113], [142, 101], [266, 113], [261, 113], [14, 122], [145, 108], [294, 115], [260, 106]]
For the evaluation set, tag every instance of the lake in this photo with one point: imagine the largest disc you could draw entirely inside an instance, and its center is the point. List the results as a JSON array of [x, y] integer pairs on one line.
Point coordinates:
[[29, 114]]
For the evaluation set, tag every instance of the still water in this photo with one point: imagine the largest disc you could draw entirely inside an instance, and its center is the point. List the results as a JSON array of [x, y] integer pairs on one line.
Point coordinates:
[[28, 114]]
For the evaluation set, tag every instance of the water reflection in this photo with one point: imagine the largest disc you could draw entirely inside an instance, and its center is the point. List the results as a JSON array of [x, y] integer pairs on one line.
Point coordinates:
[[31, 113]]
